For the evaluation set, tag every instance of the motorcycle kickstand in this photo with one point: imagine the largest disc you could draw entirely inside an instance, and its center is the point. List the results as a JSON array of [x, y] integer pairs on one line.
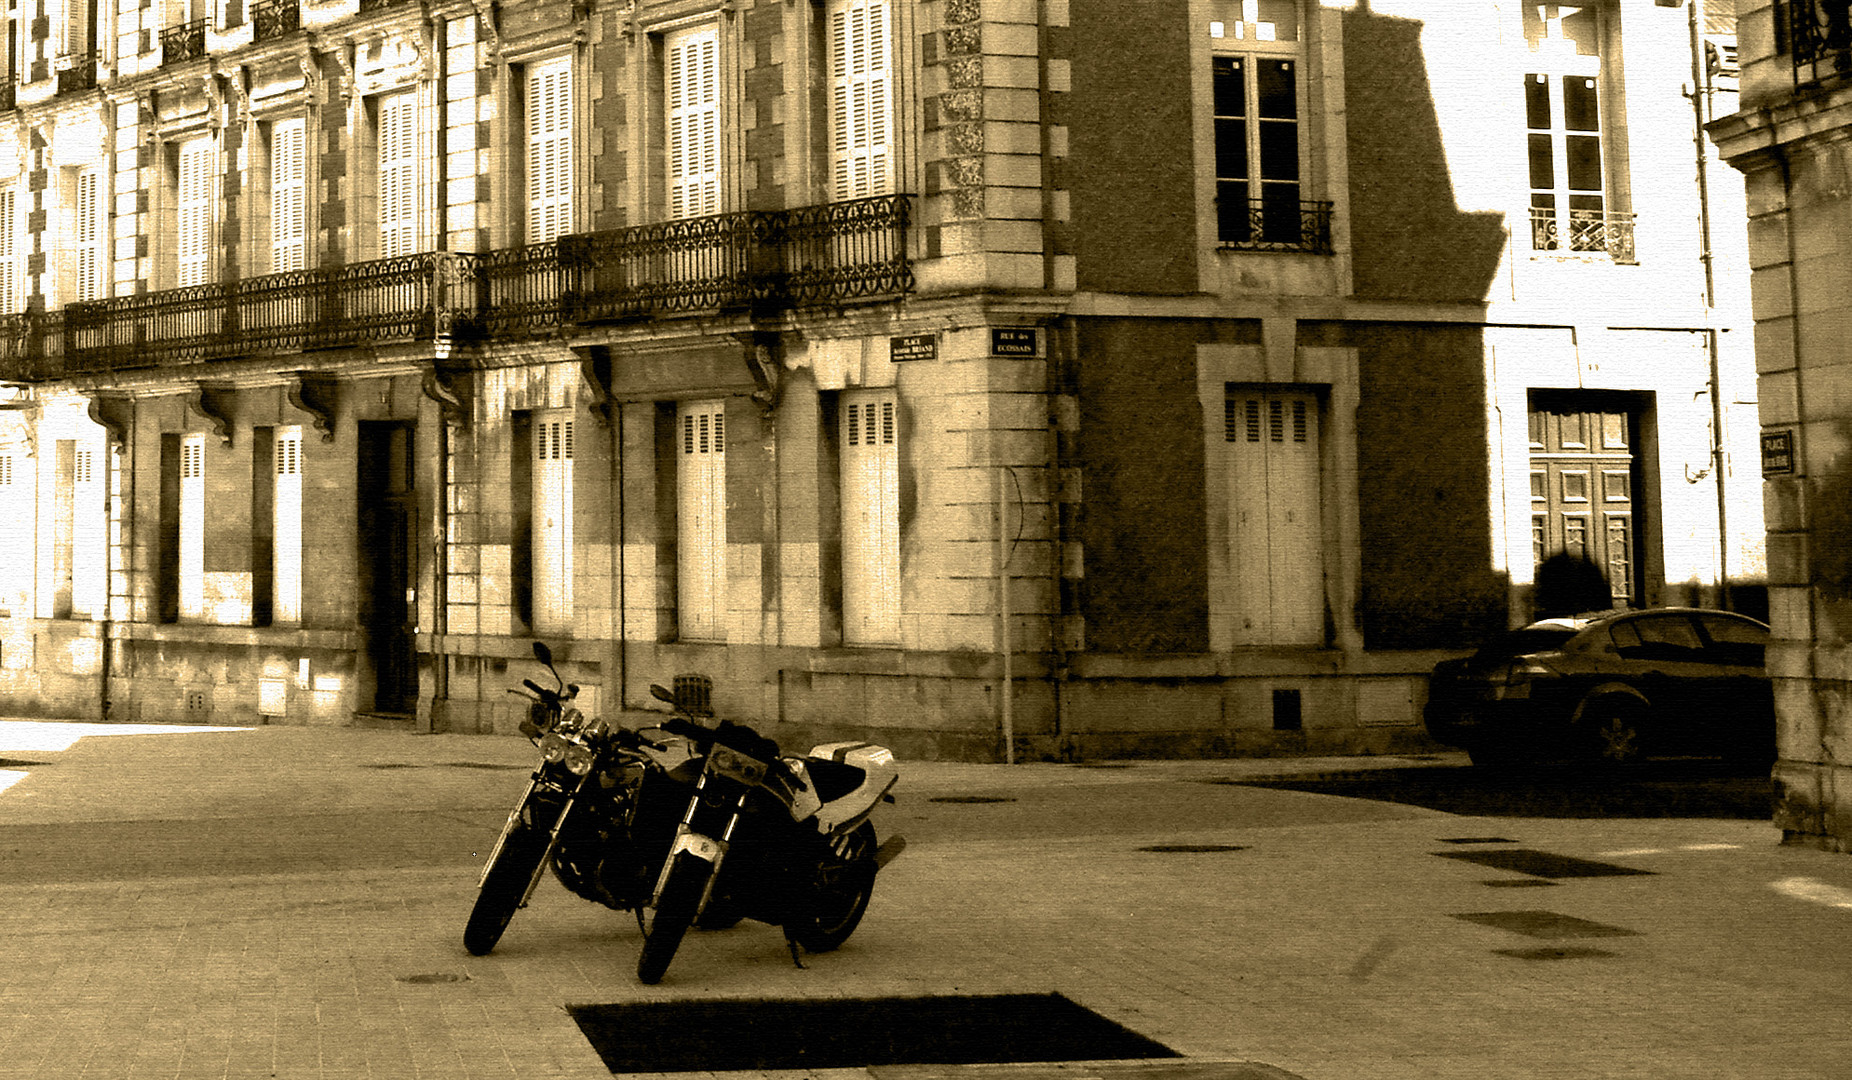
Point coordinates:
[[791, 942]]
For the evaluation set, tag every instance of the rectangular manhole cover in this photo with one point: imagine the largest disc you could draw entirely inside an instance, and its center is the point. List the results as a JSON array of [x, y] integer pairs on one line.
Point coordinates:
[[1541, 863], [844, 1033], [1545, 924]]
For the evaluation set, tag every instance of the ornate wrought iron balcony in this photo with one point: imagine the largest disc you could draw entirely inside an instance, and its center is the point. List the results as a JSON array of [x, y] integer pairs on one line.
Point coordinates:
[[1589, 233], [274, 18], [1276, 225], [1819, 38], [831, 254], [186, 41], [76, 72]]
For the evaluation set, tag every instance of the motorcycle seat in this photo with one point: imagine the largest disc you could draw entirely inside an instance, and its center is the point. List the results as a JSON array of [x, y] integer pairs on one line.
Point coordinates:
[[833, 779]]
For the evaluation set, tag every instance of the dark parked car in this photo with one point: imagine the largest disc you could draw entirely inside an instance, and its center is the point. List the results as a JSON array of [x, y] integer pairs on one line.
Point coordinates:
[[1611, 686]]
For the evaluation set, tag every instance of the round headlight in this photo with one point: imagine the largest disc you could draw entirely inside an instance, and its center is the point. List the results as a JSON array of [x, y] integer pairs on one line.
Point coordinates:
[[554, 746], [578, 759]]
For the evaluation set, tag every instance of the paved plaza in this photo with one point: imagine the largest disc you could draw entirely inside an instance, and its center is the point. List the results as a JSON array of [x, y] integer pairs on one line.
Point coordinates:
[[289, 902]]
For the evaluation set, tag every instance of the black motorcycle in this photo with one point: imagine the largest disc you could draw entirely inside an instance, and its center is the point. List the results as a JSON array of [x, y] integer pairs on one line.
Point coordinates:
[[707, 826]]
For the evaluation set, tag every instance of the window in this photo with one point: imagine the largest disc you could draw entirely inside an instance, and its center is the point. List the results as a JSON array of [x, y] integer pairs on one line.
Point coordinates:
[[193, 527], [861, 109], [10, 291], [552, 523], [869, 446], [549, 150], [286, 532], [1271, 439], [397, 131], [701, 519], [1563, 119], [16, 534], [193, 238], [288, 195], [81, 245], [89, 530], [1259, 151], [693, 62]]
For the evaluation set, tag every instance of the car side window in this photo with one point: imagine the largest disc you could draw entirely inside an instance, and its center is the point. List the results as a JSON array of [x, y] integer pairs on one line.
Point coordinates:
[[1735, 642], [1668, 638]]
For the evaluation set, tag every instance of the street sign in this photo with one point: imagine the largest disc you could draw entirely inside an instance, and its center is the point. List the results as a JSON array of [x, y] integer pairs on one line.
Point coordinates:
[[1778, 452], [1013, 341], [913, 347]]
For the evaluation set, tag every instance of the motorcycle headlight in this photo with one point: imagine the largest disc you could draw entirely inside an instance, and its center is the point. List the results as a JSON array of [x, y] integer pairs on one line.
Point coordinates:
[[579, 759], [553, 747]]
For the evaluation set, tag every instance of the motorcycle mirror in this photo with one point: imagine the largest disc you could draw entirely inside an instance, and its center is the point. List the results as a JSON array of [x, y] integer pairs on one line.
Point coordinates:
[[542, 653], [661, 694]]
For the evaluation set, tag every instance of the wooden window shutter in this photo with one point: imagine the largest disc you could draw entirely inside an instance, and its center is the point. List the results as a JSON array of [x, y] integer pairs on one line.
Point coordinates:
[[694, 122], [870, 502], [860, 79], [398, 175], [701, 521], [549, 150], [286, 554], [288, 195]]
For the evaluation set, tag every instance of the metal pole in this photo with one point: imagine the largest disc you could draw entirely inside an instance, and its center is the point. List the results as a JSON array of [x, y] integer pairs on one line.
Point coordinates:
[[1700, 98], [1005, 644]]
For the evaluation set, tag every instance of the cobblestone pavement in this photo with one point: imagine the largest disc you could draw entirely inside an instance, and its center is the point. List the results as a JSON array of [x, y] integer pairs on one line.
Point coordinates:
[[289, 902]]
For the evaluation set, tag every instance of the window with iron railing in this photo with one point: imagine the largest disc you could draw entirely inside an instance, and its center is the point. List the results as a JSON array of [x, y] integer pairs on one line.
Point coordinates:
[[1598, 233], [76, 72], [1817, 34], [274, 18], [186, 41]]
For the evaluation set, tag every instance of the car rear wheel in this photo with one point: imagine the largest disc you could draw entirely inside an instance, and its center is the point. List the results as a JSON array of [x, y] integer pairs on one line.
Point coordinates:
[[1611, 727]]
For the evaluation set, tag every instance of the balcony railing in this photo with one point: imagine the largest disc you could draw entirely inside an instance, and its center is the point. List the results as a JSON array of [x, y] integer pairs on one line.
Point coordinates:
[[186, 41], [1819, 38], [815, 255], [77, 72], [1276, 225], [1593, 233], [274, 18]]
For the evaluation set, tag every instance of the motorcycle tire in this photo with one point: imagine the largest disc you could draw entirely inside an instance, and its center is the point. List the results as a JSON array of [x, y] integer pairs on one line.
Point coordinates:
[[681, 895], [840, 893], [504, 887]]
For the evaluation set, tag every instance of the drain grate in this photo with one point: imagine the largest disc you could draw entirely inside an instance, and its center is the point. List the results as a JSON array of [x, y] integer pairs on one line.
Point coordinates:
[[971, 800], [1541, 863], [843, 1033], [1545, 924], [433, 978], [1553, 954], [1178, 849]]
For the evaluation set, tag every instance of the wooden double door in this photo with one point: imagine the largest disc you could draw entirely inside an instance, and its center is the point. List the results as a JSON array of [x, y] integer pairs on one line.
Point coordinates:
[[1584, 486]]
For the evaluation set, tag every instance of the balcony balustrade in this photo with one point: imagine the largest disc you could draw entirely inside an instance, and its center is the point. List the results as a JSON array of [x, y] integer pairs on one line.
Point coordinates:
[[1277, 225], [274, 18], [756, 261], [77, 72], [1589, 233], [186, 41], [1819, 38]]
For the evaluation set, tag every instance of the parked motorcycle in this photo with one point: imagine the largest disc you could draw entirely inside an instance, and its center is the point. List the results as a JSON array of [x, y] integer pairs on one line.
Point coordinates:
[[703, 825]]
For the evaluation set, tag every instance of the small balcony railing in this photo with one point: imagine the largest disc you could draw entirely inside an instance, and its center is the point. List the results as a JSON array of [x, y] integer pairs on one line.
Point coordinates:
[[1302, 225], [1588, 234], [76, 72], [186, 41], [274, 18], [367, 6], [1819, 38], [815, 255]]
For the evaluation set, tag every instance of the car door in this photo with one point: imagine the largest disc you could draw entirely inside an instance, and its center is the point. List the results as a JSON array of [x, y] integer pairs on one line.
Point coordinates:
[[1741, 717], [1662, 656]]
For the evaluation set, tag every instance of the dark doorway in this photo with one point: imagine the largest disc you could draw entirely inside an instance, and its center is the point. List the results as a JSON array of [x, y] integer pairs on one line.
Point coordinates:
[[388, 563]]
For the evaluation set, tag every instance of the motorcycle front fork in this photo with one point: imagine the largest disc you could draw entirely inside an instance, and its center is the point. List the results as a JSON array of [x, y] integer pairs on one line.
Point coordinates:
[[700, 845]]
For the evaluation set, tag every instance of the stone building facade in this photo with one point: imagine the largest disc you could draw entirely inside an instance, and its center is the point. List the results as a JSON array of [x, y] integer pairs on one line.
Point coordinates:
[[1790, 141], [1261, 347]]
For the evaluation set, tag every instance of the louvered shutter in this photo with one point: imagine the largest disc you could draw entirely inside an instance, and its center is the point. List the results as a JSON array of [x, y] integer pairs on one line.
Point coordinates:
[[860, 111], [549, 150], [694, 122], [193, 527], [16, 536], [701, 521], [9, 271], [1275, 517], [288, 196], [398, 175], [195, 212], [89, 235], [552, 517], [286, 559], [869, 445]]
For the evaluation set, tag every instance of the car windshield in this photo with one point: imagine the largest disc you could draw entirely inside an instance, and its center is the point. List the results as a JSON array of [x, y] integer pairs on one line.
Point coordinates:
[[1531, 639]]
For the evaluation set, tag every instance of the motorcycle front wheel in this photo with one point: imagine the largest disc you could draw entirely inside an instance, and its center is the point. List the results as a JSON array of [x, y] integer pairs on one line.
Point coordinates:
[[505, 886], [681, 895], [843, 884]]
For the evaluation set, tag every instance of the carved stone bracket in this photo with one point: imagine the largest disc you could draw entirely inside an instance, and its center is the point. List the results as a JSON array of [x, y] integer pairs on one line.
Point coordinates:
[[488, 17], [450, 404], [313, 394], [111, 413], [213, 402], [595, 366], [764, 356]]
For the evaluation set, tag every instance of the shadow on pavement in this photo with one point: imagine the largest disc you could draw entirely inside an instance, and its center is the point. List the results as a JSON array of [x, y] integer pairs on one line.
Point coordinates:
[[1673, 789]]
